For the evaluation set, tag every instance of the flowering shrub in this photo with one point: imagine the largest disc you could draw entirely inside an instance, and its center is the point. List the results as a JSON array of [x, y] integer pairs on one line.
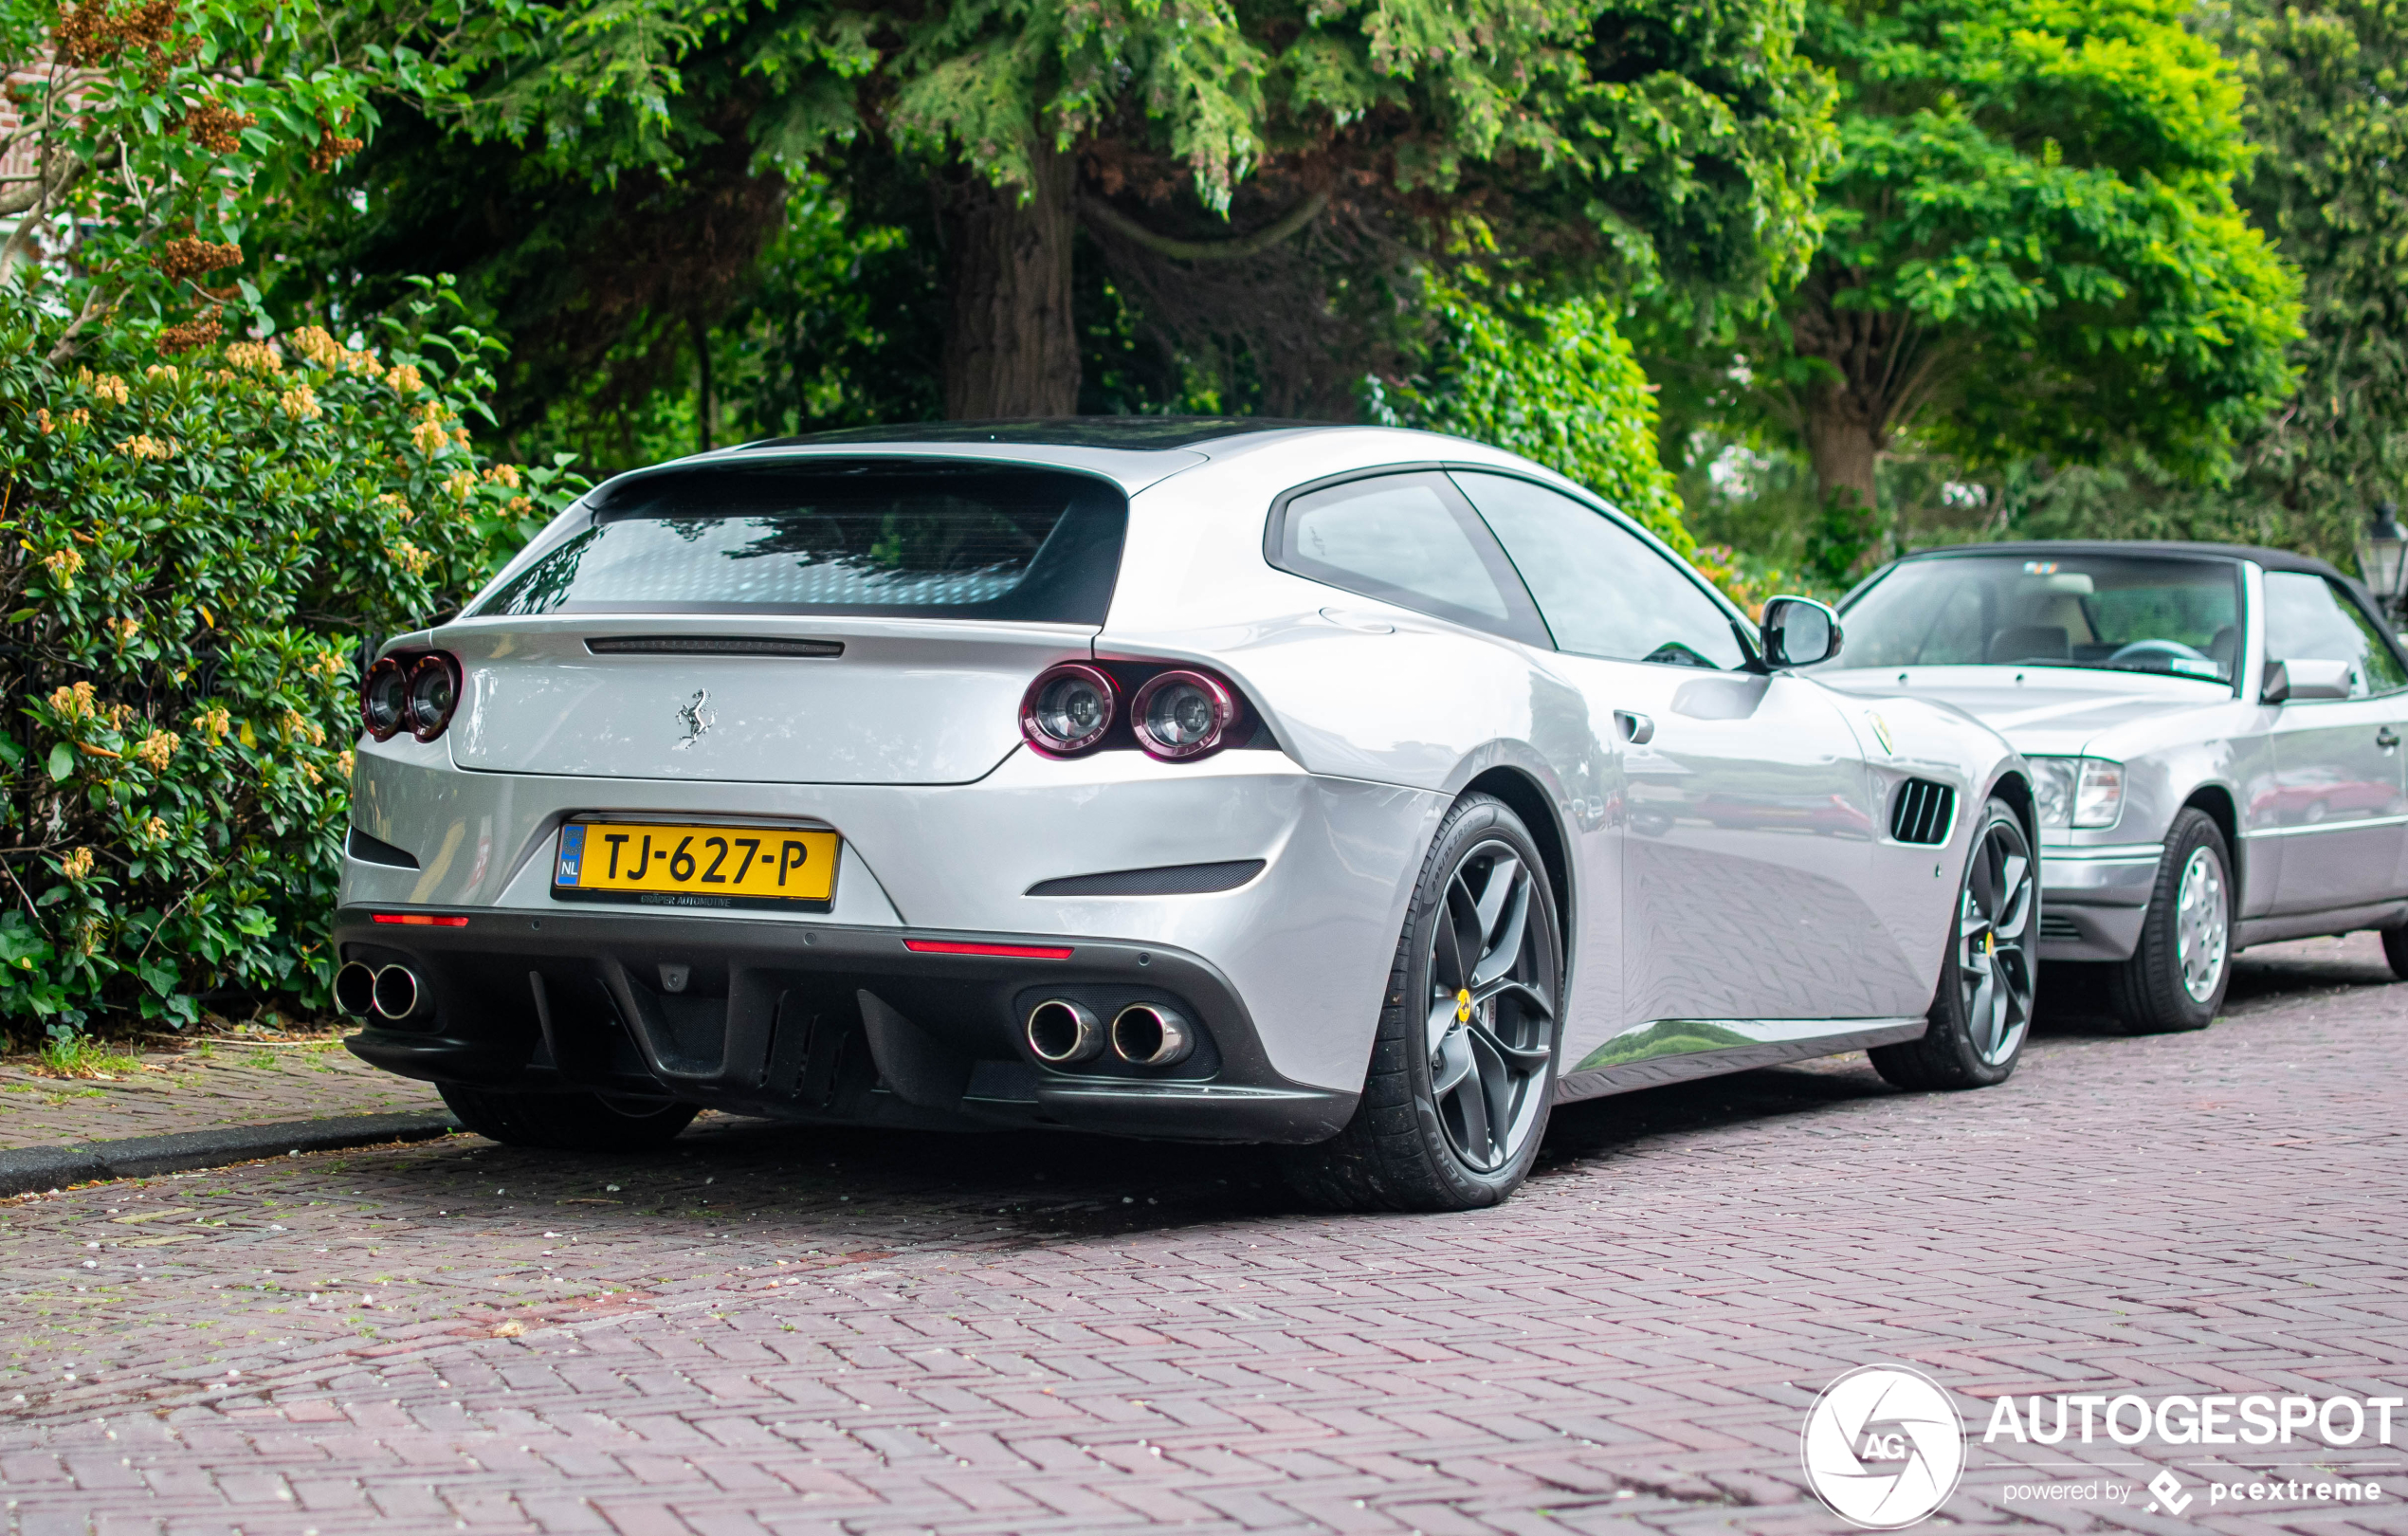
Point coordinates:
[[194, 556]]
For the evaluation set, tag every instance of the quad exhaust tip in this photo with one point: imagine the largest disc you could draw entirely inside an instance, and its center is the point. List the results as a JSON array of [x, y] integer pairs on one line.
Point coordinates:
[[355, 990], [1149, 1034], [1061, 1031]]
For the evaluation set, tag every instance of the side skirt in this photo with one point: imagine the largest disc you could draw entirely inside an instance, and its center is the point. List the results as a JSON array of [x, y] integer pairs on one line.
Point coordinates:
[[1677, 1050]]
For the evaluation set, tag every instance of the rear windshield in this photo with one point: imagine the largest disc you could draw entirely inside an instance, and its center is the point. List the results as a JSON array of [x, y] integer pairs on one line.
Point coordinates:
[[973, 542], [2123, 612]]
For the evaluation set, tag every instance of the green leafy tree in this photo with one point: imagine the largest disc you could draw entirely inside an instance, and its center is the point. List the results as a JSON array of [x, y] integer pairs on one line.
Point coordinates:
[[2328, 107], [2031, 247], [153, 130], [1263, 180]]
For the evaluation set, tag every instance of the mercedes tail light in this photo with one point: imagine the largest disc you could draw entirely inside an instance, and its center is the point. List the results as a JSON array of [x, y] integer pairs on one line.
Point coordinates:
[[1069, 708], [1183, 714], [409, 690]]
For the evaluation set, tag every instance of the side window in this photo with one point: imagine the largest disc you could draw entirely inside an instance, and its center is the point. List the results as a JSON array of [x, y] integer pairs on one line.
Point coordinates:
[[1602, 589], [1407, 539], [2308, 618]]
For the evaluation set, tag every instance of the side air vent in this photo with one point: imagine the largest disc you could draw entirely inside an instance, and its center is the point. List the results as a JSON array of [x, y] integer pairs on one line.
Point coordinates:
[[1167, 880], [1923, 812], [2057, 925], [709, 644]]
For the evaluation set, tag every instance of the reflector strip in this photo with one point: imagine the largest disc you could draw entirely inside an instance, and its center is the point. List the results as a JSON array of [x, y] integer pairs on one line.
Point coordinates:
[[419, 919], [941, 947]]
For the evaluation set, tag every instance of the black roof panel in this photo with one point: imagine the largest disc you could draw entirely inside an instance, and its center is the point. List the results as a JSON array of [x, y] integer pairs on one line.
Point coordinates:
[[1134, 433], [2272, 560]]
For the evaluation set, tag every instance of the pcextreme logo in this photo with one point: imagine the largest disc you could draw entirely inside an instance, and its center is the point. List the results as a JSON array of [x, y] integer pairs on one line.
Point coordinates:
[[1883, 1446]]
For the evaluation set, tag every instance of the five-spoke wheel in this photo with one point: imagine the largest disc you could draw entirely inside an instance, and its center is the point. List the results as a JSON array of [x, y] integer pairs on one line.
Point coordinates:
[[1491, 1032], [1463, 1067], [1983, 1009]]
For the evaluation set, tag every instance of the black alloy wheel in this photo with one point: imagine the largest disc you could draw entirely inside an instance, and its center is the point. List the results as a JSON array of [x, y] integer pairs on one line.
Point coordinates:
[[1462, 1074], [1981, 1011]]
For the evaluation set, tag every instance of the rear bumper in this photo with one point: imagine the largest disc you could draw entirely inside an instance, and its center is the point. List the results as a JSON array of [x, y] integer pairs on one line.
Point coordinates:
[[828, 1023]]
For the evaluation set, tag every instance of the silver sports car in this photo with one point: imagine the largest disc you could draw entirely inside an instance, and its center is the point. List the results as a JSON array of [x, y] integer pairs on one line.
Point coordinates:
[[1359, 790], [2214, 732]]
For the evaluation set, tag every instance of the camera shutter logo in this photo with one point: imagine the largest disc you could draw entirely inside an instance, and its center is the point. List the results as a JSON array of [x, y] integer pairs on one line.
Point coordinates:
[[1883, 1446]]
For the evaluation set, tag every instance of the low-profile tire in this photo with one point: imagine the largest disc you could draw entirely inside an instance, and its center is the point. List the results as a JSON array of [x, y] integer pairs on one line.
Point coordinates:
[[567, 1121], [1983, 1009], [2176, 979], [1462, 1073], [2395, 951]]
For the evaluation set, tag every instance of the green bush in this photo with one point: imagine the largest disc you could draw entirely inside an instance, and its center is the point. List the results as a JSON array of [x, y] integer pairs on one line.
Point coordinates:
[[1557, 384], [198, 552]]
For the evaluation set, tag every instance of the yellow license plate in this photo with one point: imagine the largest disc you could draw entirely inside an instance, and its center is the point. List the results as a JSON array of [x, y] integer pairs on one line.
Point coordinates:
[[695, 866]]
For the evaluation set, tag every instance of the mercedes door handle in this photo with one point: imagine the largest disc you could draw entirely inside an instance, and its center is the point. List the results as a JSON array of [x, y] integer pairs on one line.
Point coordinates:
[[1637, 729], [2387, 738]]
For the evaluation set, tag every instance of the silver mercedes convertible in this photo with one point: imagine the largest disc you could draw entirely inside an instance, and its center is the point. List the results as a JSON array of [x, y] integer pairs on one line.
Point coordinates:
[[2214, 732], [1359, 790]]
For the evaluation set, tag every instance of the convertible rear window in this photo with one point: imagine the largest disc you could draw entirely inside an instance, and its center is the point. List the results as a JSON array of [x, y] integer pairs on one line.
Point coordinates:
[[2123, 611], [869, 538]]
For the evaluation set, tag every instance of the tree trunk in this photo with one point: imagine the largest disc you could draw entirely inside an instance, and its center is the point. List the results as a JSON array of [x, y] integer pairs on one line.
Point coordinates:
[[1843, 441], [1010, 350]]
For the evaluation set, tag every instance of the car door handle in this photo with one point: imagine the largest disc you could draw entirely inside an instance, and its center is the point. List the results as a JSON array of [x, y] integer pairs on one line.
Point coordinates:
[[1637, 729], [2387, 738]]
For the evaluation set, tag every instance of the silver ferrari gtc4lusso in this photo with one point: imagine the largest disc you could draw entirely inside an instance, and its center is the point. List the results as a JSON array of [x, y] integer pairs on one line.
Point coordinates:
[[1359, 789]]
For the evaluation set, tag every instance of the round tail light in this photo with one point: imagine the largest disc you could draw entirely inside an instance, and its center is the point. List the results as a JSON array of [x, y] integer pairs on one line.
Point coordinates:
[[384, 699], [433, 693], [1067, 708], [1183, 714]]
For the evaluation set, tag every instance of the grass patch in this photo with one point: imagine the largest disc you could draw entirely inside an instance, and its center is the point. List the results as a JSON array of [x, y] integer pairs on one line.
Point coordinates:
[[79, 1055]]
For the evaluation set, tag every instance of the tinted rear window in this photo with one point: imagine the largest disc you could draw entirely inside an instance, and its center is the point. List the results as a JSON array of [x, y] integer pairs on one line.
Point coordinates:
[[984, 541]]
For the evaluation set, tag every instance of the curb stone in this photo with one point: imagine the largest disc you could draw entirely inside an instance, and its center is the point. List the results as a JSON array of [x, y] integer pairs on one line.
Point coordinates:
[[29, 1169]]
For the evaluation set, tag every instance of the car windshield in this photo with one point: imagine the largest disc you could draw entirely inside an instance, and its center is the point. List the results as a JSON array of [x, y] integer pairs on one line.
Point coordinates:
[[2128, 612], [976, 541]]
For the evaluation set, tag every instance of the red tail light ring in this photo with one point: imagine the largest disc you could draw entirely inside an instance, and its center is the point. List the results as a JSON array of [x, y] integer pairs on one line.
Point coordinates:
[[1183, 714], [409, 690], [384, 698], [1069, 708]]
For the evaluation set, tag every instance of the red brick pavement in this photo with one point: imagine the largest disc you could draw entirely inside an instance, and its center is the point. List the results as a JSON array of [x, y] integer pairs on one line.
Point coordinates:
[[798, 1331]]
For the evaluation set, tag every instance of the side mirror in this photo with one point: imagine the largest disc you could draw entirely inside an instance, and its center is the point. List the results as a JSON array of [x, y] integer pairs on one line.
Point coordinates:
[[2291, 682], [1798, 631]]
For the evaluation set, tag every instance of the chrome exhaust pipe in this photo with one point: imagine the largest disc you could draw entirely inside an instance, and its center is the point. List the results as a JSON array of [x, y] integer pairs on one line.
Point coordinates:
[[1061, 1031], [1149, 1034], [398, 994], [356, 989]]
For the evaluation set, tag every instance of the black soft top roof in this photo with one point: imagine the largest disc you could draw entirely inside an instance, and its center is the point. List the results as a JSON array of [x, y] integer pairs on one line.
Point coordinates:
[[2272, 560], [1137, 433]]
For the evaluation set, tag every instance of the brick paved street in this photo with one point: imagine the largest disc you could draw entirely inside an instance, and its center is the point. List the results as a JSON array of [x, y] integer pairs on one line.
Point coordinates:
[[783, 1330]]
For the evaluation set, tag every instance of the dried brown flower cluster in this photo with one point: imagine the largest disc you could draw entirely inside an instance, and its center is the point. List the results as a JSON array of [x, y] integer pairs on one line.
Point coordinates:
[[96, 34], [197, 332], [331, 148], [189, 258], [217, 129]]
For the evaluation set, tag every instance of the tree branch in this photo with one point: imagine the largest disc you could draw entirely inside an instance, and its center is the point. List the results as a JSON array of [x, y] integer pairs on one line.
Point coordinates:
[[1099, 212]]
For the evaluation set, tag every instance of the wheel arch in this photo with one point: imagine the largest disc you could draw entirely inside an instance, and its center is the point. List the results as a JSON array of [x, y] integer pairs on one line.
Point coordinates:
[[2215, 802], [1538, 811], [2014, 787]]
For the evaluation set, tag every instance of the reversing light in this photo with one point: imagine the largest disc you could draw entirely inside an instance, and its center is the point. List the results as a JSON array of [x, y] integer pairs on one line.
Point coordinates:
[[432, 694], [1067, 708], [382, 697], [1183, 714]]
